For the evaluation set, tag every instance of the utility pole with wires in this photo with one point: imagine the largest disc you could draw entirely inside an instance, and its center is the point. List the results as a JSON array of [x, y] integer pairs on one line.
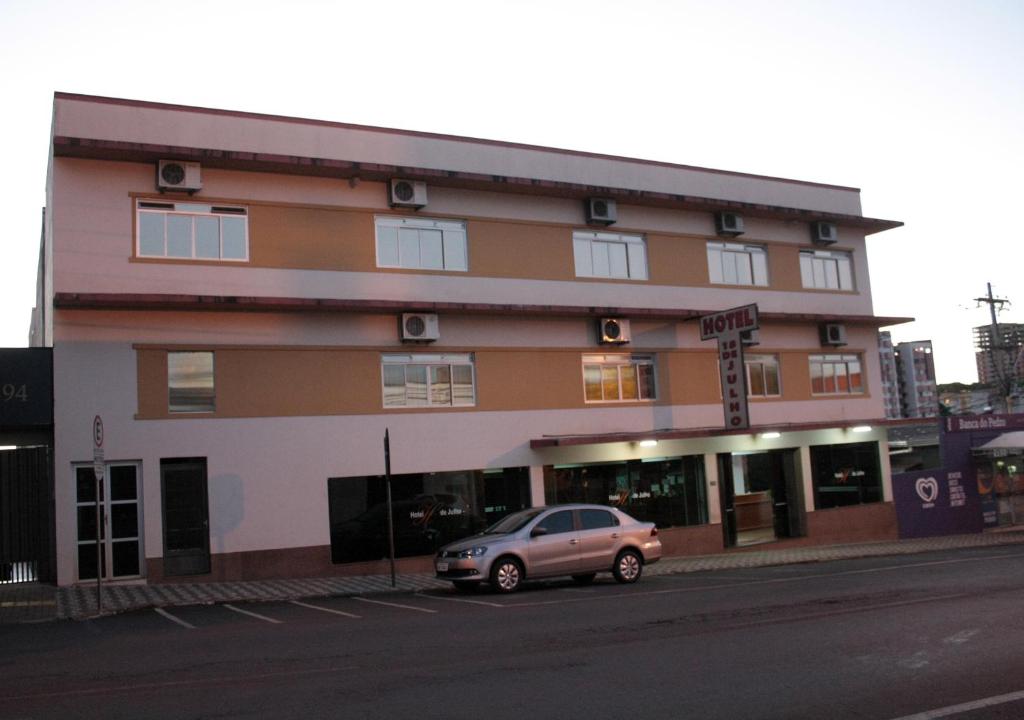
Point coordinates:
[[999, 350]]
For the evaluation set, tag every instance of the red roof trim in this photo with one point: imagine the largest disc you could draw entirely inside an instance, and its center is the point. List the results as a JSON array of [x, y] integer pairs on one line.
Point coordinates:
[[231, 303]]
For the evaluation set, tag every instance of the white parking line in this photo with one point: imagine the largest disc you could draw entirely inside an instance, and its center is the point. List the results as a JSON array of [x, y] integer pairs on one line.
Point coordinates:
[[161, 611], [323, 609], [966, 707], [251, 614], [460, 600], [394, 605]]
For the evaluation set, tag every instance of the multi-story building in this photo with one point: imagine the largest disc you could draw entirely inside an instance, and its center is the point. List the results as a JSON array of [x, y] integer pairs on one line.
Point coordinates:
[[919, 397], [1000, 353], [890, 376], [246, 304]]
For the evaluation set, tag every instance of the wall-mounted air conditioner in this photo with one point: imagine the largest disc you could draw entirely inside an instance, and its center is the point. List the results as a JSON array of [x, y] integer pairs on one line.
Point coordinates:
[[613, 331], [728, 224], [600, 211], [824, 233], [750, 337], [419, 327], [833, 334], [175, 175], [407, 193]]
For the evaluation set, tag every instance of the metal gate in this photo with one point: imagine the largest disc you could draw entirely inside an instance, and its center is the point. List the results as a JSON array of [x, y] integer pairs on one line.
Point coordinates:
[[26, 516]]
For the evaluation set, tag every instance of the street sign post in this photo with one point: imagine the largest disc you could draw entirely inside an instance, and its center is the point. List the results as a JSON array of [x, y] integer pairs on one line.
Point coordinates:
[[728, 327], [98, 468]]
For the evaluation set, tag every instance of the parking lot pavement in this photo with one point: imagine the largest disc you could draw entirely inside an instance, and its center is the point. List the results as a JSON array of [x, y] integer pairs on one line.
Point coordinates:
[[36, 602]]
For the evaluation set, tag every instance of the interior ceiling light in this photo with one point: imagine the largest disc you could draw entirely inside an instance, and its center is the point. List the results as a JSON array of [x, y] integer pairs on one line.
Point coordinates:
[[648, 443], [861, 428], [770, 435]]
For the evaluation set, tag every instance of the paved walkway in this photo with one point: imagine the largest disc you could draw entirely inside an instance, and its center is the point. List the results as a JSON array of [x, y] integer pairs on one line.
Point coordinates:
[[34, 602]]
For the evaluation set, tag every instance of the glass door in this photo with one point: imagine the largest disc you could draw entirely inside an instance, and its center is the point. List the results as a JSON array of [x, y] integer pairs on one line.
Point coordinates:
[[120, 546]]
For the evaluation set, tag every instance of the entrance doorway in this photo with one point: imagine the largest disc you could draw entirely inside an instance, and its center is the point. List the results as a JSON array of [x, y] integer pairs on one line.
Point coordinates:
[[26, 515], [760, 497], [120, 546], [186, 516]]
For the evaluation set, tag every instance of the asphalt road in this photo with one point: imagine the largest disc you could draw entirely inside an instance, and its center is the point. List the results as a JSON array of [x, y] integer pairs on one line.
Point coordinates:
[[880, 638]]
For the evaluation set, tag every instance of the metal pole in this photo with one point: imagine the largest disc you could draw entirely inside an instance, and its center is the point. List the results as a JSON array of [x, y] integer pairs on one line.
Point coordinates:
[[99, 544], [391, 521]]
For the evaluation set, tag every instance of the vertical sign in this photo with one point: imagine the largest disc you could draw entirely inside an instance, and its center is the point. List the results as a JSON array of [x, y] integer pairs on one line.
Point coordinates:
[[728, 327], [98, 468]]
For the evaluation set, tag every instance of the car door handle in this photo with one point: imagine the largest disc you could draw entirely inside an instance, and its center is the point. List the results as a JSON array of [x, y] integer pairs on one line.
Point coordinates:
[[574, 541], [614, 536]]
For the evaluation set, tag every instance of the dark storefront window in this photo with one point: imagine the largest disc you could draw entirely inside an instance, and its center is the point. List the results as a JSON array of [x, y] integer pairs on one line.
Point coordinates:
[[430, 510], [846, 475], [668, 491]]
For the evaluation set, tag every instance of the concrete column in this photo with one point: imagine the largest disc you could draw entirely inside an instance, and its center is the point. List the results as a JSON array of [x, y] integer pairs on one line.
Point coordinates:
[[807, 476], [886, 468], [711, 482], [537, 486]]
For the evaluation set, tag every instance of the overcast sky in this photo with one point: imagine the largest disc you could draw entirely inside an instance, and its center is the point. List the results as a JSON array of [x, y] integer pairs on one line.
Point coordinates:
[[918, 103]]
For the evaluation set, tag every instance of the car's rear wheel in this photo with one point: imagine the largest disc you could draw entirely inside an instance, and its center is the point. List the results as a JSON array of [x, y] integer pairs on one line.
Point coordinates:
[[506, 575], [584, 579], [628, 566], [466, 586]]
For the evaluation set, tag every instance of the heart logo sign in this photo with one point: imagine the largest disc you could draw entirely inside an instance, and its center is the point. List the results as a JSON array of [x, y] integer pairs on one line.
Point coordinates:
[[927, 489]]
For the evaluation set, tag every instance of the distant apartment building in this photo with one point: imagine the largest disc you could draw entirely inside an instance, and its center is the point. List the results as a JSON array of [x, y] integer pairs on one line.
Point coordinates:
[[890, 377], [1000, 354], [908, 378]]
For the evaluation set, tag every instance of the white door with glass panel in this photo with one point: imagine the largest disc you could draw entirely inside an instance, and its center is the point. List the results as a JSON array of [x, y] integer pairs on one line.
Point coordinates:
[[120, 547]]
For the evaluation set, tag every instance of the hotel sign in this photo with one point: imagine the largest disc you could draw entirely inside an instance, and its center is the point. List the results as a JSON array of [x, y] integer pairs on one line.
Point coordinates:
[[728, 327]]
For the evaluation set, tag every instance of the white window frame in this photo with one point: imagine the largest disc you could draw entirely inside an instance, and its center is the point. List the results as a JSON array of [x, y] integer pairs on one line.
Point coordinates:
[[835, 366], [609, 255], [107, 541], [186, 410], [193, 213], [826, 270], [619, 362], [765, 360], [428, 362], [415, 243], [735, 263]]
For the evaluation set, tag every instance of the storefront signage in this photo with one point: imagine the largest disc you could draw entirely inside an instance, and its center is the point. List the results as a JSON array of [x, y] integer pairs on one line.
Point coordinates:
[[969, 423], [728, 327], [935, 502]]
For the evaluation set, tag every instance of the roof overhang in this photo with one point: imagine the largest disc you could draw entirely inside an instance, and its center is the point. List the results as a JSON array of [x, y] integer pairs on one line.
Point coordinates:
[[550, 441], [232, 303]]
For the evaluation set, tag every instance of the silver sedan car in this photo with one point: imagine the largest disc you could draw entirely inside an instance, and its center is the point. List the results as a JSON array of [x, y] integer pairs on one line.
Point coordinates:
[[575, 540]]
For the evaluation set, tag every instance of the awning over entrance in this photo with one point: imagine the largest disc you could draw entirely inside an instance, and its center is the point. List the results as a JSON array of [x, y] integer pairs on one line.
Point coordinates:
[[1006, 441]]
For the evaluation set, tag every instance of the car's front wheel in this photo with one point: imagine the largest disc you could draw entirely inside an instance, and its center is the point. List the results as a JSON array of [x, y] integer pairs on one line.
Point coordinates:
[[506, 575], [628, 566]]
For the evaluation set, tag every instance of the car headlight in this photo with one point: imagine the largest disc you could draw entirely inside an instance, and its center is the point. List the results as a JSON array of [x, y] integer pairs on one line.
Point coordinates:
[[472, 552]]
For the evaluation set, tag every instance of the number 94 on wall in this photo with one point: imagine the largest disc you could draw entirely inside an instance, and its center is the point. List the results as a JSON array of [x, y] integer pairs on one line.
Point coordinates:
[[11, 392]]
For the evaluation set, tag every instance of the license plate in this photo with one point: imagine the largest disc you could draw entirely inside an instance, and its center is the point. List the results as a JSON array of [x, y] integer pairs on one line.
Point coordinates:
[[442, 567]]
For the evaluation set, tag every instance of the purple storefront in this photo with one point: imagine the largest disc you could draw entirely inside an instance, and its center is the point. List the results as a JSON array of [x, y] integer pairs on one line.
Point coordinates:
[[979, 486]]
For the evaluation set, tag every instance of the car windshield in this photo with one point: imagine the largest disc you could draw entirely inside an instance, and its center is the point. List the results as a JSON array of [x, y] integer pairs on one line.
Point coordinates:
[[513, 522]]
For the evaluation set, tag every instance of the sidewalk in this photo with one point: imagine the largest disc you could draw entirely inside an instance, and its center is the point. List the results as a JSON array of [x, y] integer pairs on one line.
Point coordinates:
[[36, 603]]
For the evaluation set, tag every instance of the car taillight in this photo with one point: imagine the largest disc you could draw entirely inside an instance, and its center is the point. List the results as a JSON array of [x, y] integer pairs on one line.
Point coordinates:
[[654, 532]]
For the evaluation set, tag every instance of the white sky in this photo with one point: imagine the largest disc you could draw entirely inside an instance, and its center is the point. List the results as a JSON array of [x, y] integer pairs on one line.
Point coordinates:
[[920, 103]]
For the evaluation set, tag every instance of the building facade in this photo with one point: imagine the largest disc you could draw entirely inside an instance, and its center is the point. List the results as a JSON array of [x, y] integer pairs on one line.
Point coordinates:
[[248, 304], [1000, 353], [919, 396], [890, 376]]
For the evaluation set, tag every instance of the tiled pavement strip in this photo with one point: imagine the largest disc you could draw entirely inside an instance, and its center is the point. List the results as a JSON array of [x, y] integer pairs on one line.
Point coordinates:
[[36, 602]]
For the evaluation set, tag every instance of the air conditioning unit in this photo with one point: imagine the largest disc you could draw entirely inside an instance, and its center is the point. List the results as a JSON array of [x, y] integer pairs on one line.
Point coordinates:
[[728, 224], [824, 233], [600, 211], [419, 327], [613, 331], [175, 175], [833, 334], [750, 337], [407, 193]]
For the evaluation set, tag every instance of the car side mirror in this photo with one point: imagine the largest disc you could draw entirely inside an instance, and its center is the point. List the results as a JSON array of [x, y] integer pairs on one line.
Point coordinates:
[[538, 531]]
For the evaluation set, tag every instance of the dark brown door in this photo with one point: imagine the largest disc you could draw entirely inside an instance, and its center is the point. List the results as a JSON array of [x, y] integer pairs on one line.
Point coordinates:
[[186, 516]]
